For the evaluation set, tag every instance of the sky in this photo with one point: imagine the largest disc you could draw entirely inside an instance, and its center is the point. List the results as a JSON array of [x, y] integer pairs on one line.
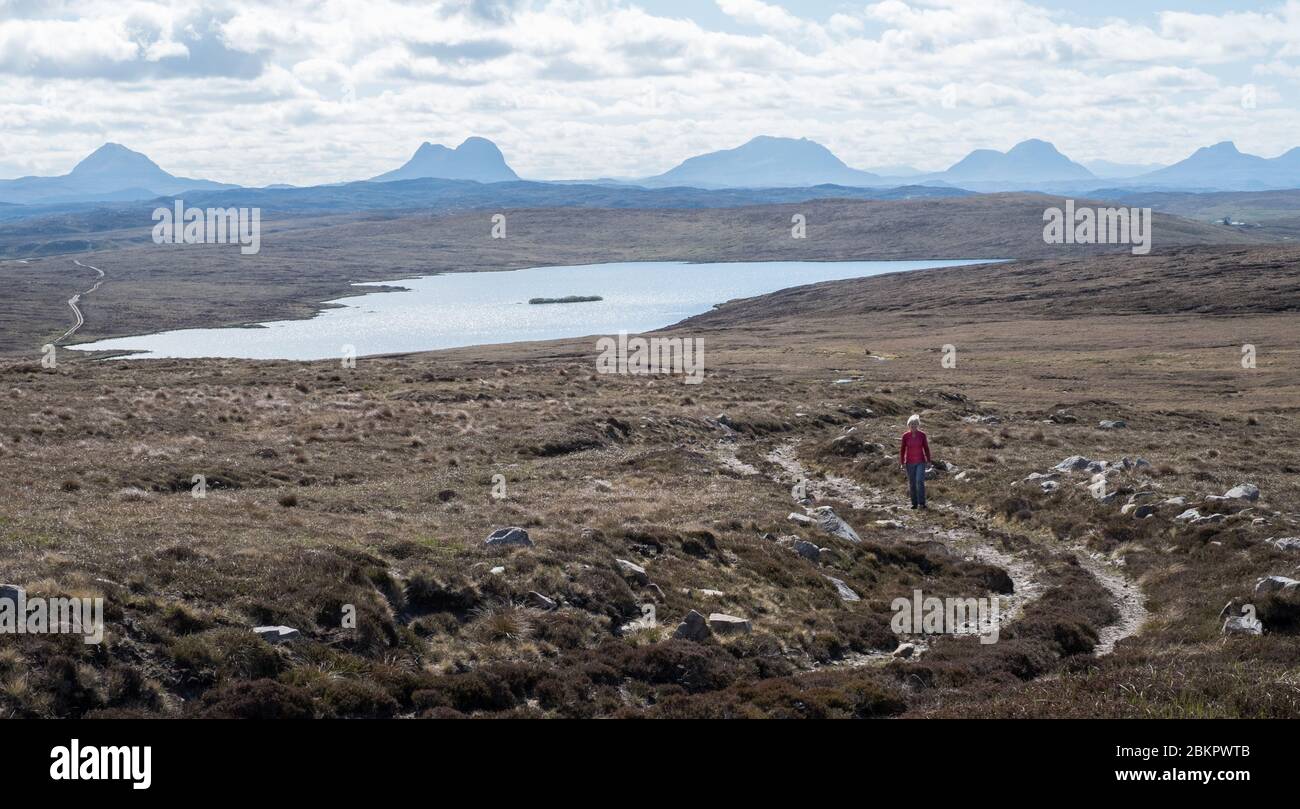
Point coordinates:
[[313, 91]]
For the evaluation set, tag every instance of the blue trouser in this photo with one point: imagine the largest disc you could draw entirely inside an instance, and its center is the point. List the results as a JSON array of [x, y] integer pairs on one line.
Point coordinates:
[[916, 483]]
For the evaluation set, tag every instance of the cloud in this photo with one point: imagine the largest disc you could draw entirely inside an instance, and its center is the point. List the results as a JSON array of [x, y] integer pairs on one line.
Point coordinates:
[[322, 90]]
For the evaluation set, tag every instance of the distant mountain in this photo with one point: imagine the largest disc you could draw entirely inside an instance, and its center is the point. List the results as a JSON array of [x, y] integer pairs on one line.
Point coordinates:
[[1028, 162], [1222, 167], [112, 173], [476, 159], [1108, 170], [896, 171], [765, 162]]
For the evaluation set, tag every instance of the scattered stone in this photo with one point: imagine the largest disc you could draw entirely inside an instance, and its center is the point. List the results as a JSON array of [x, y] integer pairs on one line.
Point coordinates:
[[1049, 486], [844, 591], [807, 550], [1243, 491], [802, 519], [1078, 463], [497, 571], [703, 593], [633, 571], [1143, 497], [539, 601], [904, 651], [831, 523], [1283, 544], [1190, 515], [1175, 502], [978, 419], [1209, 519], [725, 624], [891, 524], [276, 634], [1111, 425], [693, 627], [1139, 511], [1280, 585], [505, 537], [1242, 625]]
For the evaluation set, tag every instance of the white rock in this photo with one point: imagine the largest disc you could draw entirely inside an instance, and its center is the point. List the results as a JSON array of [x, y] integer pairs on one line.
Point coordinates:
[[1243, 491], [725, 624], [633, 571], [509, 536], [844, 591], [276, 634], [831, 523]]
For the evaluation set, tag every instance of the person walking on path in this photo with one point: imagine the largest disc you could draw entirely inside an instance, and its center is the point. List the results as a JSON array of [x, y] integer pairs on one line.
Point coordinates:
[[914, 456]]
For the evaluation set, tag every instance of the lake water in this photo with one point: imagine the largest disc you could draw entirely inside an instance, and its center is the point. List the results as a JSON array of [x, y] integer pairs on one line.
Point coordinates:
[[478, 308]]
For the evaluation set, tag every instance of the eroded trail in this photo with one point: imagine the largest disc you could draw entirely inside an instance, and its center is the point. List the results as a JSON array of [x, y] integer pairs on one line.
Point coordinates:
[[75, 300], [972, 539]]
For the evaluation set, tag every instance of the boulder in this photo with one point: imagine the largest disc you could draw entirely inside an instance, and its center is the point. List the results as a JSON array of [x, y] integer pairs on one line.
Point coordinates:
[[801, 519], [1175, 502], [633, 571], [1243, 491], [1078, 463], [276, 634], [1242, 625], [844, 591], [1138, 510], [1111, 425], [725, 624], [1049, 486], [1280, 586], [538, 601], [693, 627], [807, 550], [506, 537], [1283, 544], [831, 523], [1190, 515], [904, 651], [1143, 497], [888, 524]]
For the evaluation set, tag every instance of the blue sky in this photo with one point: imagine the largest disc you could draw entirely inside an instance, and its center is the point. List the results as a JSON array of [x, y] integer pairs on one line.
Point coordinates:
[[306, 91]]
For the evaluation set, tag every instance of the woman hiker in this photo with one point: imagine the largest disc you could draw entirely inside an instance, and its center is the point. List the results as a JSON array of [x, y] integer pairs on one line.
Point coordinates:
[[914, 456]]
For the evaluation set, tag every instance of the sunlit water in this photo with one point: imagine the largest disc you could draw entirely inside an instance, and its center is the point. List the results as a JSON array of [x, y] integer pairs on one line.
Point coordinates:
[[478, 308]]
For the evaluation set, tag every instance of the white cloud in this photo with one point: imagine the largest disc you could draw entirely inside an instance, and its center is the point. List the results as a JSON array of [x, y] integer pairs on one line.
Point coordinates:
[[323, 90]]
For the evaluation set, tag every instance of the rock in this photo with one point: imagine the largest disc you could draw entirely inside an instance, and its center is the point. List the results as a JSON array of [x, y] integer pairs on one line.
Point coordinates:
[[904, 651], [851, 445], [1242, 625], [1062, 417], [978, 419], [1050, 486], [1243, 491], [807, 550], [844, 591], [1283, 544], [1190, 515], [1209, 519], [831, 523], [497, 571], [1143, 497], [633, 571], [725, 624], [1281, 586], [505, 537], [539, 601], [1111, 425], [1078, 463], [1175, 502], [693, 627], [801, 519], [703, 593], [276, 634], [891, 524], [829, 554], [1139, 511]]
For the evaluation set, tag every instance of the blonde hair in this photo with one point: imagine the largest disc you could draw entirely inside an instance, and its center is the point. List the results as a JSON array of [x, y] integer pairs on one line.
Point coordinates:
[[914, 420]]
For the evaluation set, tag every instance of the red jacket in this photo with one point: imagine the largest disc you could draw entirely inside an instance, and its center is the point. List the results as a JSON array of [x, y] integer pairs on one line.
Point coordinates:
[[915, 448]]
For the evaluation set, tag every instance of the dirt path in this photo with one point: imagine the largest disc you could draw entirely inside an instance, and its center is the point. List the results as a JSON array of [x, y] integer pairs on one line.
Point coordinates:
[[1026, 576], [76, 299]]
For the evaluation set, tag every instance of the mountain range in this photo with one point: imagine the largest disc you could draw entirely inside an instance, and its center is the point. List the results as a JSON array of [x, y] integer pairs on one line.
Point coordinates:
[[114, 173]]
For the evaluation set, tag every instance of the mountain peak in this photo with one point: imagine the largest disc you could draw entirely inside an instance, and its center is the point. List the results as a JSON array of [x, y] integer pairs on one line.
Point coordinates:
[[1029, 161], [114, 158], [476, 159], [765, 160]]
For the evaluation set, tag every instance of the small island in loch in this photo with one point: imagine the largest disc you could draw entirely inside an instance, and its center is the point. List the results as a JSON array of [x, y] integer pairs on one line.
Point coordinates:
[[567, 299]]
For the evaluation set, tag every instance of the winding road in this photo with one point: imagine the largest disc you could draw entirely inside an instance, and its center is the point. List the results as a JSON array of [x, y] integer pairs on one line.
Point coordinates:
[[76, 299]]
